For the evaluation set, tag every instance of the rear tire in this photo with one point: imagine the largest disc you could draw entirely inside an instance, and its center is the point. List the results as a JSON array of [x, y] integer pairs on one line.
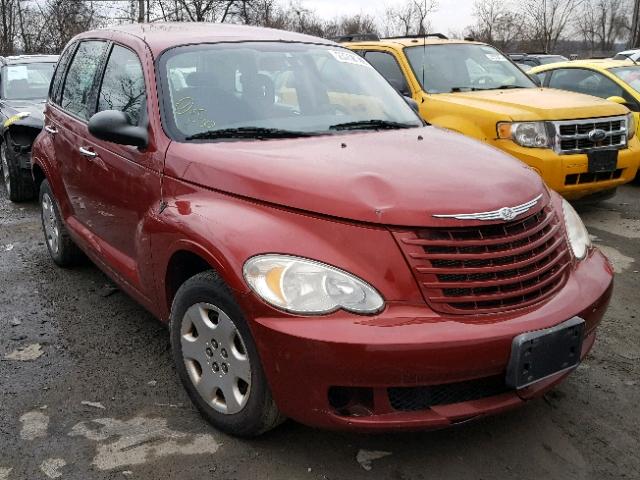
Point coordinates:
[[217, 360], [17, 181], [64, 252]]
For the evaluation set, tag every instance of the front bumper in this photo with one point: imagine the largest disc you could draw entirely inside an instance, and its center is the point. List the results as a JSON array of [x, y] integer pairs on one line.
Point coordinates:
[[410, 346], [564, 173]]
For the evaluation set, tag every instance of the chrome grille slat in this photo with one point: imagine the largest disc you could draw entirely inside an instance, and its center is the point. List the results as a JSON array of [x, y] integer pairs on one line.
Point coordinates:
[[489, 268], [572, 136]]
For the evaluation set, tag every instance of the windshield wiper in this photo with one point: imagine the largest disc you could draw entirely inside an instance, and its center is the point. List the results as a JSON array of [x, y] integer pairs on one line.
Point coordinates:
[[371, 125], [504, 87], [258, 133]]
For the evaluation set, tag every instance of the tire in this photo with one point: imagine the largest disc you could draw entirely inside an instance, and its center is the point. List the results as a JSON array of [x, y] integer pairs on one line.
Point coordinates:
[[64, 252], [217, 361], [17, 181]]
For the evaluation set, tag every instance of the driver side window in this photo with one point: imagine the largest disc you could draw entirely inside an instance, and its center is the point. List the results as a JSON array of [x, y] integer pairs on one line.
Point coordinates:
[[388, 67], [123, 86], [585, 81]]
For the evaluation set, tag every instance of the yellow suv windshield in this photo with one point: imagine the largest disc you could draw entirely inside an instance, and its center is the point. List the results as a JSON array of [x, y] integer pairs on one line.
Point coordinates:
[[464, 67]]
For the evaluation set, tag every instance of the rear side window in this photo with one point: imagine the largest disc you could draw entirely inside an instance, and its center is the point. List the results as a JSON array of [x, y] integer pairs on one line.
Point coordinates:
[[56, 83], [78, 86], [123, 86], [388, 67]]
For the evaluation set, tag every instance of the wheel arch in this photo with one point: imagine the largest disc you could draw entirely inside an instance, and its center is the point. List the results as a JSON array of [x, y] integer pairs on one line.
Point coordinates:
[[188, 259]]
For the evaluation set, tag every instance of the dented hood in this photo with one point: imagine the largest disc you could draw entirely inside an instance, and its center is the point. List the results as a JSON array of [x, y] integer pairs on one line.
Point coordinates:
[[399, 177]]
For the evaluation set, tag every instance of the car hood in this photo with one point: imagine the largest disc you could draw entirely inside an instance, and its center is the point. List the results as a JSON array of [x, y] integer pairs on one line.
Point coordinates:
[[524, 104], [35, 108], [399, 177]]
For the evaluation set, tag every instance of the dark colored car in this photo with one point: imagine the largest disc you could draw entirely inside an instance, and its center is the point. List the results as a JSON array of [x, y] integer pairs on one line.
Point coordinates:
[[317, 251], [531, 60], [24, 84]]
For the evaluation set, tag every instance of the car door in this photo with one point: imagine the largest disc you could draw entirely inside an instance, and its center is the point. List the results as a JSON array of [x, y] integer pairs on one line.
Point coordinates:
[[122, 182], [66, 122]]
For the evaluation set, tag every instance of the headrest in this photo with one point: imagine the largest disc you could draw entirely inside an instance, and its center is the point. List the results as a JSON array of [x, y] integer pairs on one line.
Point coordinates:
[[198, 79]]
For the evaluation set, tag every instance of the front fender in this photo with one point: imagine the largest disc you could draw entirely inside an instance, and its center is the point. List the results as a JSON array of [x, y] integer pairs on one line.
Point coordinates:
[[226, 230]]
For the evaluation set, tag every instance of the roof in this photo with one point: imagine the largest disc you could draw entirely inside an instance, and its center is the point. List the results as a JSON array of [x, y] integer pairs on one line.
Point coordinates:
[[409, 42], [160, 36], [596, 64], [22, 59]]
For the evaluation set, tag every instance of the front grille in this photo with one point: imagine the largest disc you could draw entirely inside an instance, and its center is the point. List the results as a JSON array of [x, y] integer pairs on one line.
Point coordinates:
[[411, 399], [572, 136], [580, 178], [489, 268]]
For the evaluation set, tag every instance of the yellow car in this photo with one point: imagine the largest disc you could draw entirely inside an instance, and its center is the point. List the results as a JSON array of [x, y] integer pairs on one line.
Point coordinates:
[[581, 145], [614, 80]]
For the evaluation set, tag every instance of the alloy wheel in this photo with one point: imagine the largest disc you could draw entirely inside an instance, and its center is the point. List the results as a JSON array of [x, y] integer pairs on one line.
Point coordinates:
[[50, 223], [216, 358]]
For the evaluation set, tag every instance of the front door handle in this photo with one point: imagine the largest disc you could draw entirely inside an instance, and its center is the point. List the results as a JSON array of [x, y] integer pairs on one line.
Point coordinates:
[[50, 129], [87, 153]]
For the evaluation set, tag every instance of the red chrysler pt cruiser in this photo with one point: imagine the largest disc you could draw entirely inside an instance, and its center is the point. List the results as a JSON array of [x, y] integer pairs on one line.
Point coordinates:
[[317, 251]]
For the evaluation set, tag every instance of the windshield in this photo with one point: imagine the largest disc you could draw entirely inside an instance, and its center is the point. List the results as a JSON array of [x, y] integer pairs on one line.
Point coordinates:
[[464, 67], [29, 81], [274, 90], [629, 75], [552, 59]]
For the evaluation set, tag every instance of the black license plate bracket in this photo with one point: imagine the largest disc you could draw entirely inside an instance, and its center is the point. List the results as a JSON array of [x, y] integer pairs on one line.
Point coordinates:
[[542, 353], [603, 161]]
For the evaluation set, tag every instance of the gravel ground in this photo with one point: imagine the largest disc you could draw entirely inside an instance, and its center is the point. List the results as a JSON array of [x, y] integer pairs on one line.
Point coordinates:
[[88, 390]]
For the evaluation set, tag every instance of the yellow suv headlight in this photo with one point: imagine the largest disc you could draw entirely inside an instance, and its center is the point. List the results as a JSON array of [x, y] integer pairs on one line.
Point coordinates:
[[526, 134], [631, 126]]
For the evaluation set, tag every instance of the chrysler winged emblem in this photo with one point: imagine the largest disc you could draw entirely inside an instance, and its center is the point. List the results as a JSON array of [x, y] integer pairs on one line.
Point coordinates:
[[504, 213]]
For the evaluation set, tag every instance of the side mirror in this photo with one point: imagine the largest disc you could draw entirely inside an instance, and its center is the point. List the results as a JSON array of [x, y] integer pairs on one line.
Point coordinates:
[[114, 126], [412, 103], [617, 99], [535, 79]]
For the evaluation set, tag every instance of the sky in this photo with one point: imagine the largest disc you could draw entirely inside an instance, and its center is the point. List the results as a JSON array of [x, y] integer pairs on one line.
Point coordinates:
[[452, 15]]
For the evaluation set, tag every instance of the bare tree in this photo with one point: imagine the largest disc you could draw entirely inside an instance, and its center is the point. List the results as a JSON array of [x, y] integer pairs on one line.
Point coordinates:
[[603, 22], [547, 20], [410, 18], [8, 27], [496, 23]]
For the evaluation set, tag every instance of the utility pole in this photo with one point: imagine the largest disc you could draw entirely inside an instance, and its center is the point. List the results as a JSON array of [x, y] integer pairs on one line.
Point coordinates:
[[634, 41]]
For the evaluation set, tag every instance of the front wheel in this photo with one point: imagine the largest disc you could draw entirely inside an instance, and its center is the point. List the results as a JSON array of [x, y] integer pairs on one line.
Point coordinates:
[[217, 360], [17, 181]]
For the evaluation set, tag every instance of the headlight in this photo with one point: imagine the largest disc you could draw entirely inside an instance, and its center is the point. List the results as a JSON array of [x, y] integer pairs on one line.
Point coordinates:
[[305, 286], [526, 134], [631, 126], [576, 231]]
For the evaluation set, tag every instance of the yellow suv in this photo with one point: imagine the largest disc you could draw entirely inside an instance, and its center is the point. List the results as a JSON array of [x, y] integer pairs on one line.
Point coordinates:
[[581, 145]]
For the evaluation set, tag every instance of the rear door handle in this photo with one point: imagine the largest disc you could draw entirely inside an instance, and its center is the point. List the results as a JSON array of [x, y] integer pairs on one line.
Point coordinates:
[[50, 129], [87, 153]]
